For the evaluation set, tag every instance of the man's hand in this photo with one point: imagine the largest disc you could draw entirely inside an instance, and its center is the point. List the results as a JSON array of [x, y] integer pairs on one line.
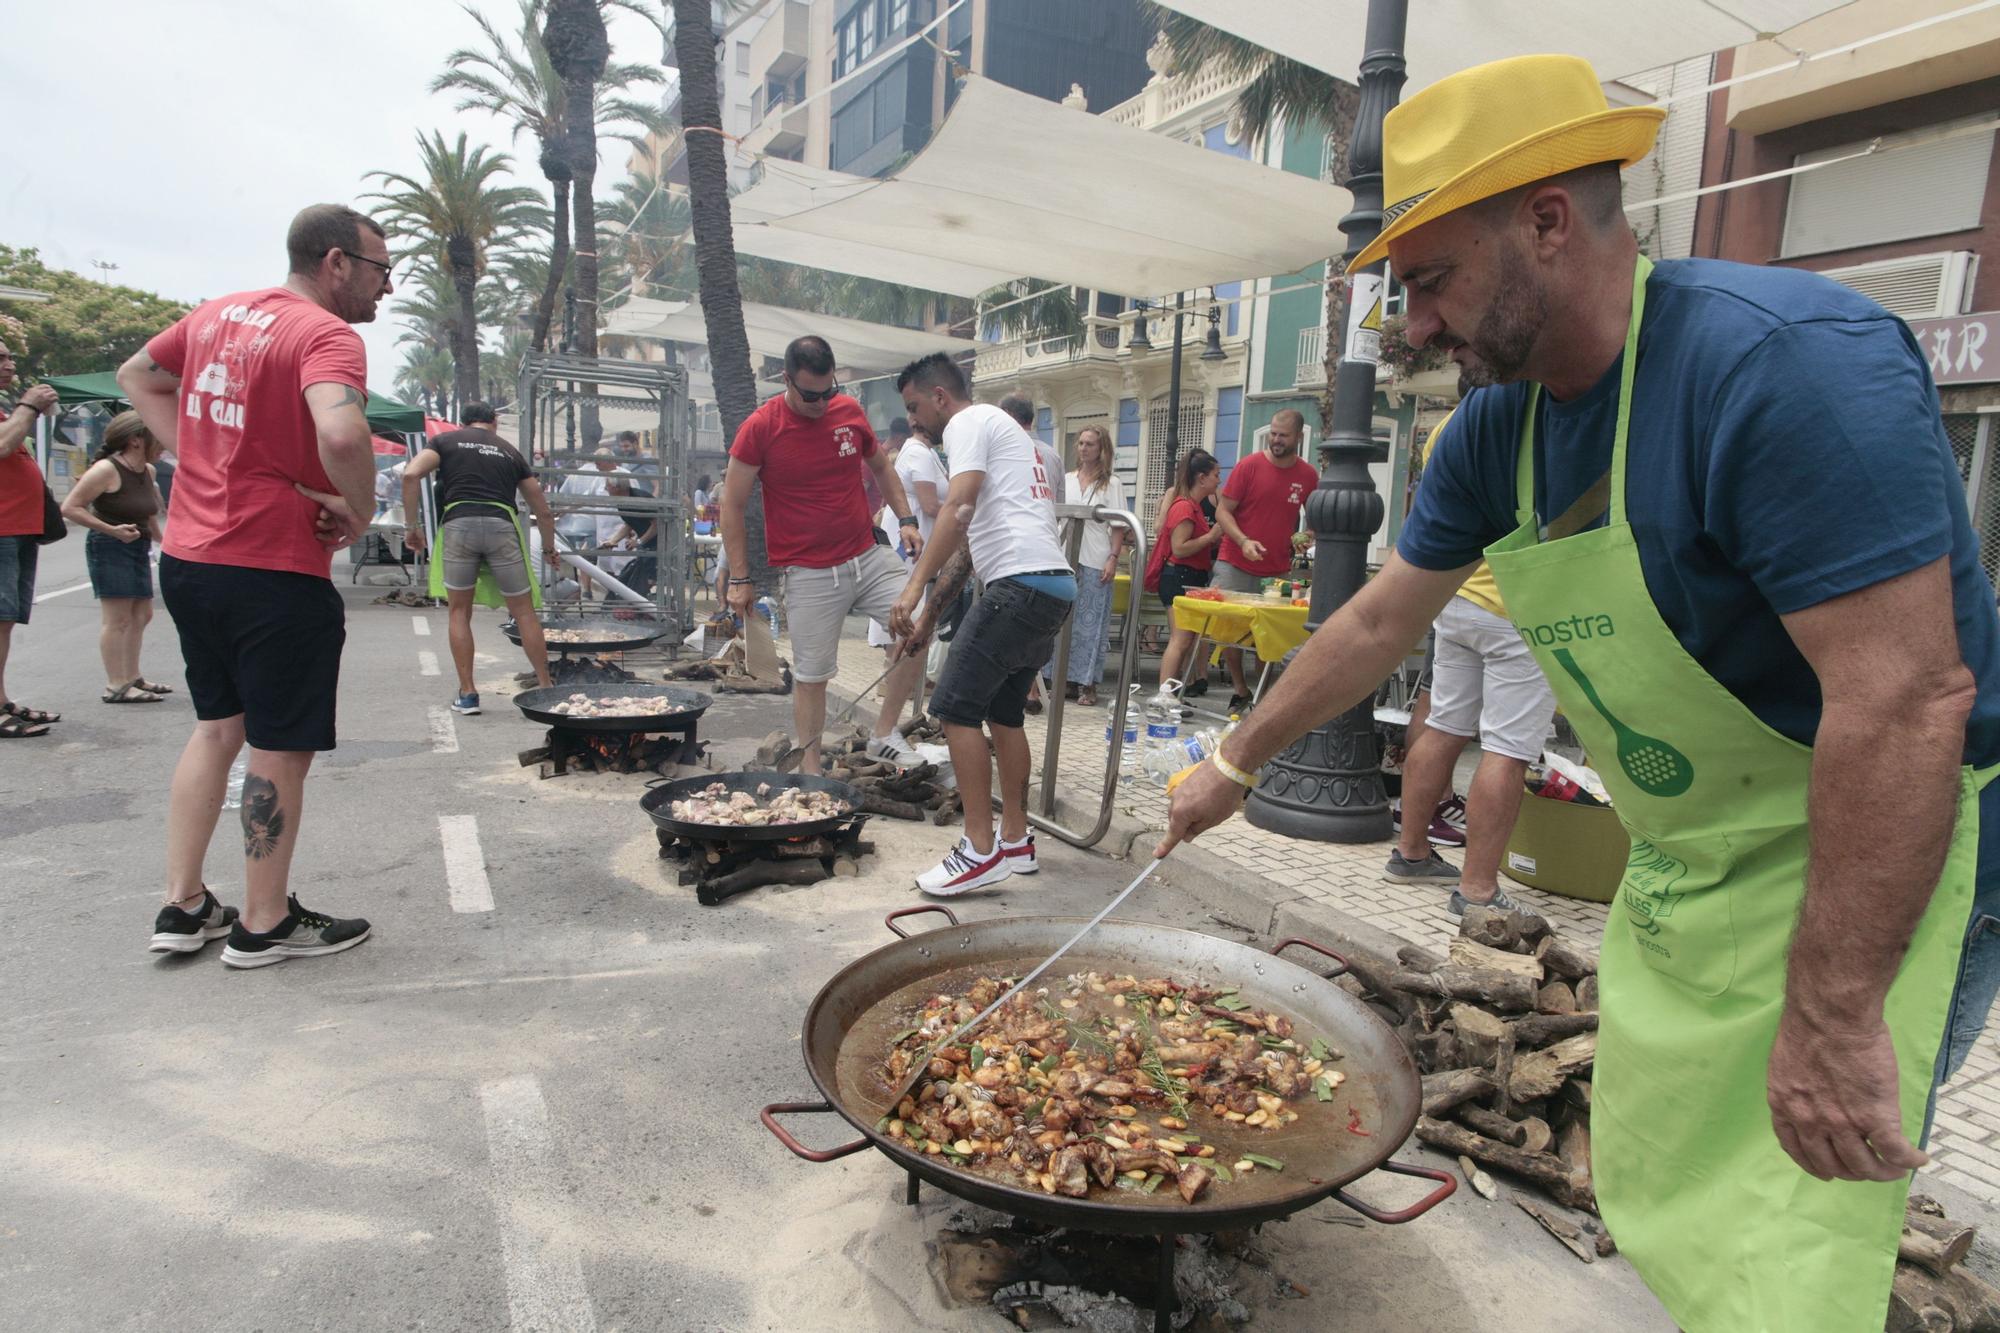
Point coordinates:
[[41, 397], [913, 541], [1204, 799], [127, 533], [903, 615], [742, 596], [919, 637], [413, 537], [337, 526], [1110, 570], [1832, 1090], [1253, 551]]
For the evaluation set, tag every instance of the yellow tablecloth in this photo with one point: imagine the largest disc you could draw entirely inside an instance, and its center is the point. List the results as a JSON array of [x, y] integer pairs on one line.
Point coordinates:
[[1272, 628]]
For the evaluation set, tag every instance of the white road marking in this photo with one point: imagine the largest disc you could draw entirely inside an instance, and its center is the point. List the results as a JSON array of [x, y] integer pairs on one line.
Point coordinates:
[[545, 1291], [421, 626], [427, 664], [464, 864], [61, 592], [444, 731]]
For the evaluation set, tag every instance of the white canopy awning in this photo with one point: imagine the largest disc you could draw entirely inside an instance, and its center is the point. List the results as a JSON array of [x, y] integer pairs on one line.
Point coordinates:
[[857, 345], [1446, 36], [789, 188], [1027, 187]]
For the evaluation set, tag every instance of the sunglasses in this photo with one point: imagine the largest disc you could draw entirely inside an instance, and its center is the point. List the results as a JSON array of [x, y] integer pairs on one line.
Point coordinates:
[[812, 395]]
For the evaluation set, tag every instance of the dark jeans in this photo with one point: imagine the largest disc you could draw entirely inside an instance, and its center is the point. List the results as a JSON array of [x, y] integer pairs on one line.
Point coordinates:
[[1004, 641]]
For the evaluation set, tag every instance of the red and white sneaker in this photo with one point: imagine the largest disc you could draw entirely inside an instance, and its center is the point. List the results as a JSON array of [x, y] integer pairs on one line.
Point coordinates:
[[964, 869], [1021, 855]]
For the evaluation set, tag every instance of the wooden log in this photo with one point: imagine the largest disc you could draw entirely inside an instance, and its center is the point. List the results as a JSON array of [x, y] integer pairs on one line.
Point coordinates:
[[537, 755], [1502, 990], [1540, 1073], [1934, 1243], [1380, 979], [1418, 959], [1536, 1136], [1922, 1302], [1470, 953], [874, 803], [1512, 930], [1555, 998], [1479, 1033], [1566, 1232], [1437, 1049], [1575, 1094], [1586, 994], [1573, 1147], [759, 874], [1453, 1087], [1492, 1124], [1541, 1029], [1539, 1169], [1565, 959], [1503, 1075]]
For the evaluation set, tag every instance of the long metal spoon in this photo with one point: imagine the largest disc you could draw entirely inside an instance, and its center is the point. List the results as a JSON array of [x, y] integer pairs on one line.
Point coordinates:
[[923, 1065]]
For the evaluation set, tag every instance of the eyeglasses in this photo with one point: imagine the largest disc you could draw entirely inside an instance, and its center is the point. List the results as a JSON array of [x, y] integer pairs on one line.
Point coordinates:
[[387, 269], [812, 395]]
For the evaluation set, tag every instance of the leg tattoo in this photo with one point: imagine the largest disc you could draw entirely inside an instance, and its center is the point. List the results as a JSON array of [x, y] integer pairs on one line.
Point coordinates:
[[263, 821]]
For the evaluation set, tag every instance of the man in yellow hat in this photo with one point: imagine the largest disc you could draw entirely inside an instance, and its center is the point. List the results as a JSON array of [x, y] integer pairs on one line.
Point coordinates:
[[1721, 510]]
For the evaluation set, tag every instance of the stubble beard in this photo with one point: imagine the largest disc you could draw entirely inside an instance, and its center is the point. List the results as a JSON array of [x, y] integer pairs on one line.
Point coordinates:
[[1506, 335]]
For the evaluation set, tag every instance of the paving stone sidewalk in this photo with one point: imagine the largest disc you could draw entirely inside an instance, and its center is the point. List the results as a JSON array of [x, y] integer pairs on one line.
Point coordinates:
[[1272, 872]]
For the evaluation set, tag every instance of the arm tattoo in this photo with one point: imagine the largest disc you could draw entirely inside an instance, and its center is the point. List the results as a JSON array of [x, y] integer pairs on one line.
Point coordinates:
[[952, 577], [349, 395], [158, 369], [263, 821]]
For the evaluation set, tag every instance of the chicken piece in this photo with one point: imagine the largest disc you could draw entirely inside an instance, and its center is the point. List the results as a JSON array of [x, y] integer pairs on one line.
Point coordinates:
[[1054, 1116], [1103, 1165], [1116, 1090], [1148, 1160], [1191, 1053], [1072, 1172], [1191, 1181]]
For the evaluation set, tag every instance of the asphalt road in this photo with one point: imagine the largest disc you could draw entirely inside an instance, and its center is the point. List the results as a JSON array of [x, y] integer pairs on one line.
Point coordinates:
[[541, 1116]]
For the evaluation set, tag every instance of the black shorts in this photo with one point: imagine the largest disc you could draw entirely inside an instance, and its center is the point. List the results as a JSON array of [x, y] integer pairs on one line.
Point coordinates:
[[1175, 580], [261, 642], [1004, 643]]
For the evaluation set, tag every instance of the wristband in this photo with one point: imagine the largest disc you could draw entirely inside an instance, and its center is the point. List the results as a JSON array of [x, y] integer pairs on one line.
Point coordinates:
[[908, 521], [735, 581], [1231, 771]]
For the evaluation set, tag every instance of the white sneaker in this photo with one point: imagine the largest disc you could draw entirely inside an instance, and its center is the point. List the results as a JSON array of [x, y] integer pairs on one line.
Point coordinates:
[[964, 869], [896, 748], [1021, 855]]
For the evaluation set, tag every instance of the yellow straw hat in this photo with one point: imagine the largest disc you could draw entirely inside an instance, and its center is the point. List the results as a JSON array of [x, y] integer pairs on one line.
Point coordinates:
[[1488, 129]]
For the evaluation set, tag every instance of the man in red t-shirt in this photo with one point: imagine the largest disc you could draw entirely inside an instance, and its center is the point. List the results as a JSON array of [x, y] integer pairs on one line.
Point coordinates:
[[262, 394], [1258, 513], [20, 534], [805, 444]]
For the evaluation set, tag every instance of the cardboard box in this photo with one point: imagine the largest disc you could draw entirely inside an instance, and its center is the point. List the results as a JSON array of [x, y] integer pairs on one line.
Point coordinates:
[[1578, 851]]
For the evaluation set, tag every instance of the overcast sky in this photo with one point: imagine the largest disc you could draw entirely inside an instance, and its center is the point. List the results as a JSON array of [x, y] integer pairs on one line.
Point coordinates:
[[177, 139]]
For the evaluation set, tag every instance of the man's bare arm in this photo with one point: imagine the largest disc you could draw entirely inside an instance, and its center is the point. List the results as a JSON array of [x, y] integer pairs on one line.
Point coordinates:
[[892, 484], [737, 482], [155, 393], [340, 420], [1888, 663], [1225, 518], [960, 501]]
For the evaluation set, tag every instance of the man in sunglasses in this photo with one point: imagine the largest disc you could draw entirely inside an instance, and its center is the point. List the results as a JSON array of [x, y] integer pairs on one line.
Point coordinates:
[[808, 446], [263, 395]]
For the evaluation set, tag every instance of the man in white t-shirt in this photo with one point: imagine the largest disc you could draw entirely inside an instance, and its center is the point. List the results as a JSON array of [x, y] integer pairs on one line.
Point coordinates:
[[999, 520]]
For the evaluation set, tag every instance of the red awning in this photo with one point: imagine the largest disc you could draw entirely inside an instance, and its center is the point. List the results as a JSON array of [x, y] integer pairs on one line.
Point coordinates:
[[388, 446]]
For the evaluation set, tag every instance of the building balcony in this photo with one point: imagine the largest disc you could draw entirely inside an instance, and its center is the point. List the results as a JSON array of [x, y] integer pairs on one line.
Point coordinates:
[[1961, 50], [780, 130], [1105, 341], [1312, 358], [783, 46]]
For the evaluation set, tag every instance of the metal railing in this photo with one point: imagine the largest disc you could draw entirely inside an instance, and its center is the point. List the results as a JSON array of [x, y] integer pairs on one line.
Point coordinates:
[[1128, 667]]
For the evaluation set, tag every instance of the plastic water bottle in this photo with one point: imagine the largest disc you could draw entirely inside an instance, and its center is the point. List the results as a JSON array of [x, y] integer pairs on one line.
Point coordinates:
[[1163, 731], [234, 799], [1128, 757], [768, 609]]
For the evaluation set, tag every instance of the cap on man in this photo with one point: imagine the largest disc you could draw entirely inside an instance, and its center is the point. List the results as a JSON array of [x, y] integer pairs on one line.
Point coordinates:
[[479, 477], [810, 445], [998, 521], [263, 396], [1720, 507]]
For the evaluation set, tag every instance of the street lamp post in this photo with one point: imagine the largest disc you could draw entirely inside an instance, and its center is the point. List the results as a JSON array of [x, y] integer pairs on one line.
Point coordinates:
[[1327, 785]]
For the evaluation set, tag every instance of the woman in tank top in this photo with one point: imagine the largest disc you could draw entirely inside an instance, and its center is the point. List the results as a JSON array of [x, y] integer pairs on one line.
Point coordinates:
[[118, 500]]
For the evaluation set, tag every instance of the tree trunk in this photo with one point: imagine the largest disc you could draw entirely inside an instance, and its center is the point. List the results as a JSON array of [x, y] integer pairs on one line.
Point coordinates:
[[465, 336], [579, 48], [715, 252], [545, 308]]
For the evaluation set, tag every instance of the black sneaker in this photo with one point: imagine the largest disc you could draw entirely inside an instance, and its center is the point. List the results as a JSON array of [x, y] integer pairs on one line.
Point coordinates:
[[1433, 869], [302, 934], [178, 931]]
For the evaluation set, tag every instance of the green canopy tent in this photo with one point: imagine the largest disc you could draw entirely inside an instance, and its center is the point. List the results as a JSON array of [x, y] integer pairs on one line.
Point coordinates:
[[385, 414]]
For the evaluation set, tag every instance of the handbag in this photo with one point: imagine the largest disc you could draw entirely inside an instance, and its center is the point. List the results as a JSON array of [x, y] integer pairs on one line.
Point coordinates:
[[54, 528]]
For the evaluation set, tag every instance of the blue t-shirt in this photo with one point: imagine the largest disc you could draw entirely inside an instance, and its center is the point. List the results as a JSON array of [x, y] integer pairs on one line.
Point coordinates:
[[1785, 449]]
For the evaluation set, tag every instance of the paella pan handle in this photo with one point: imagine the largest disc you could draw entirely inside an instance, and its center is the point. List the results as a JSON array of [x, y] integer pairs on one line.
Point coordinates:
[[1446, 1186], [769, 1115], [891, 919], [1321, 949]]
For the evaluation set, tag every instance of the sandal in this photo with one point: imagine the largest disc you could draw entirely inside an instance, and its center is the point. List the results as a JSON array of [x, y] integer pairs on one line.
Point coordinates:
[[13, 728], [1087, 696], [129, 693], [34, 717], [150, 688]]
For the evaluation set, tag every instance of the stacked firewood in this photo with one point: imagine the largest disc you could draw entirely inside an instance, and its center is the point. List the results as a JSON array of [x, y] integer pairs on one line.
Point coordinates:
[[1933, 1293], [1504, 1031], [728, 677], [917, 792]]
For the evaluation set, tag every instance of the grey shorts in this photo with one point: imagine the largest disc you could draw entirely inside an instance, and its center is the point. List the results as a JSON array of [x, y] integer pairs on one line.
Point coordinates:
[[466, 543], [818, 602], [1229, 578], [1487, 684]]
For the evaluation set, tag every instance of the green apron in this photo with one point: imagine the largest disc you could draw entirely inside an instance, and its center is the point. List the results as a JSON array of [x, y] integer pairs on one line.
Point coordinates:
[[1728, 1231], [486, 591]]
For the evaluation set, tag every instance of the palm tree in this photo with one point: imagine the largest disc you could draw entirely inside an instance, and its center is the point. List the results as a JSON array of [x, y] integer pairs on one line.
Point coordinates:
[[459, 211], [521, 85], [651, 247], [715, 251], [425, 377], [1277, 86]]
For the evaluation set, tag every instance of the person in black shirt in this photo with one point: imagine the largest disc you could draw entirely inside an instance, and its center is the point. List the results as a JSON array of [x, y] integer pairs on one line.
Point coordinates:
[[479, 475]]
